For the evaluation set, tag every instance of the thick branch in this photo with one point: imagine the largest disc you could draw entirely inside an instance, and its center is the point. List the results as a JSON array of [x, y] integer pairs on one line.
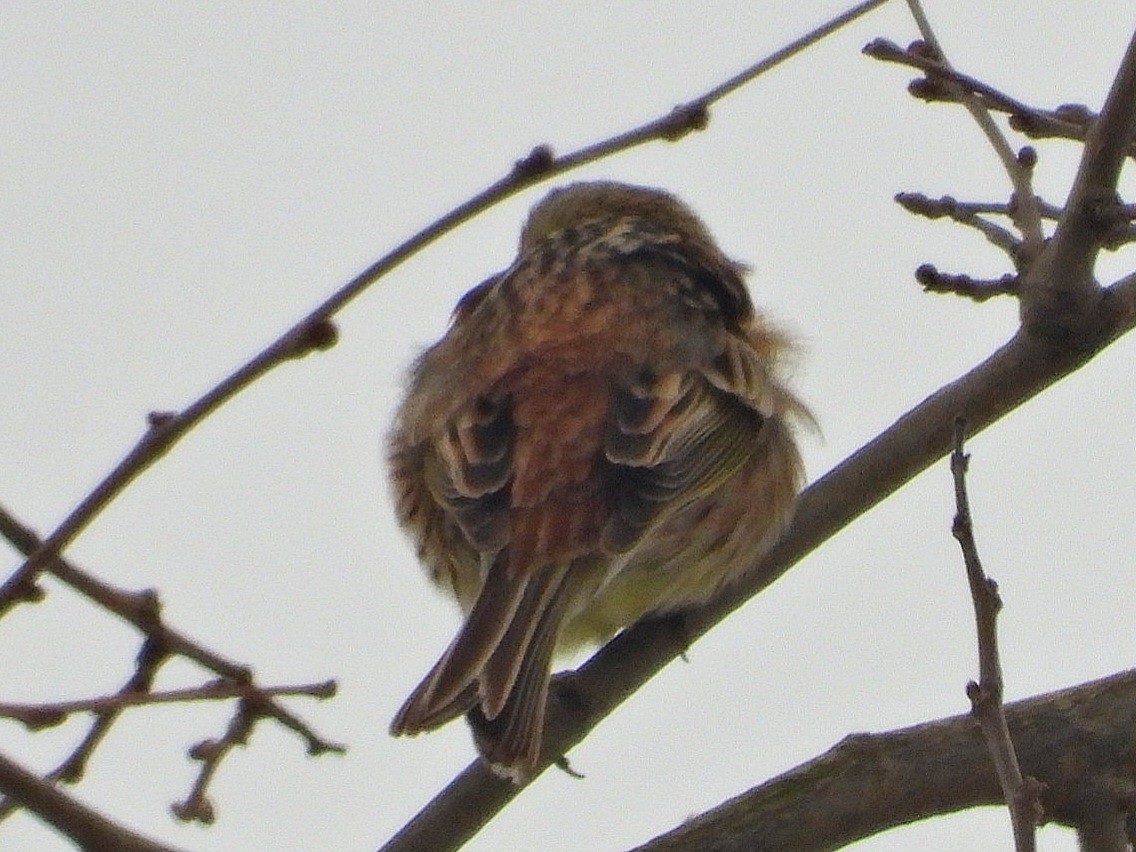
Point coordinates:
[[1078, 741], [1058, 293], [88, 828]]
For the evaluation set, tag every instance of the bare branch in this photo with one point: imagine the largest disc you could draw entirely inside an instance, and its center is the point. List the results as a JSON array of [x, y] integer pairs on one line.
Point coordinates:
[[976, 290], [791, 49], [197, 807], [1067, 121], [1059, 292], [144, 612], [55, 712], [88, 828], [72, 769], [871, 782], [1022, 796], [964, 214], [1026, 216], [961, 211]]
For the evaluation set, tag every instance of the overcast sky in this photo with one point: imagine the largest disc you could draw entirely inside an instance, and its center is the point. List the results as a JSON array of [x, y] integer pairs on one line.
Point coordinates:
[[182, 181]]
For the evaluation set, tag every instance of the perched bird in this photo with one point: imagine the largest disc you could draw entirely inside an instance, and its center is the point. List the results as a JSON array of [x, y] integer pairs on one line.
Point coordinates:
[[601, 434]]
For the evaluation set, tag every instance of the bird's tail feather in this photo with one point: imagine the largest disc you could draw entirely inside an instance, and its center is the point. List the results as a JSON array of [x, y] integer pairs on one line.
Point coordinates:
[[498, 667], [435, 700]]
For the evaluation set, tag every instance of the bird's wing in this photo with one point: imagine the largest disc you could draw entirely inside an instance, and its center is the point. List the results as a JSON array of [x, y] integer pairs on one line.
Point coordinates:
[[670, 442]]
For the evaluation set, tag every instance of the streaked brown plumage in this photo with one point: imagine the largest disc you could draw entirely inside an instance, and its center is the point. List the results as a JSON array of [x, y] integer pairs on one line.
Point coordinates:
[[601, 434]]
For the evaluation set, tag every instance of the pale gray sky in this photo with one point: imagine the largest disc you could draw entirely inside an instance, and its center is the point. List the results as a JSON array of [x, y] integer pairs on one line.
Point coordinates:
[[183, 181]]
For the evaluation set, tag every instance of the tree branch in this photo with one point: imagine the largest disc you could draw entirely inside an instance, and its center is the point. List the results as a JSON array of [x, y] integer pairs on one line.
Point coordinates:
[[88, 828], [1020, 794], [1059, 293], [867, 783], [142, 609], [47, 714], [1026, 214]]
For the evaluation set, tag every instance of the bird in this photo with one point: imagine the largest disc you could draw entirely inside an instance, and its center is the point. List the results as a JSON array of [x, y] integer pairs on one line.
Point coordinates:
[[604, 433]]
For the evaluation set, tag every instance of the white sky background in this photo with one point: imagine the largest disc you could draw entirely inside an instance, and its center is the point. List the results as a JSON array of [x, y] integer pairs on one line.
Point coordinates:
[[182, 182]]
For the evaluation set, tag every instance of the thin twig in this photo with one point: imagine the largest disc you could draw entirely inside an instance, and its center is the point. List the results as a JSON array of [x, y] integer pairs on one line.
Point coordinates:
[[1027, 218], [975, 289], [1022, 794], [1060, 293], [51, 713], [144, 612], [149, 659], [142, 609], [197, 807], [969, 214], [959, 211], [791, 49], [1068, 121], [87, 827]]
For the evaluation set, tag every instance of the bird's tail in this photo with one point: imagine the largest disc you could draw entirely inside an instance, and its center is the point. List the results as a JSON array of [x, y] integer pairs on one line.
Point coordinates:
[[498, 667]]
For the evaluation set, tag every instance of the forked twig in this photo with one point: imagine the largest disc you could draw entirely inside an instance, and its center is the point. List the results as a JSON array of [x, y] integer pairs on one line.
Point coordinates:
[[161, 642], [1027, 218]]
